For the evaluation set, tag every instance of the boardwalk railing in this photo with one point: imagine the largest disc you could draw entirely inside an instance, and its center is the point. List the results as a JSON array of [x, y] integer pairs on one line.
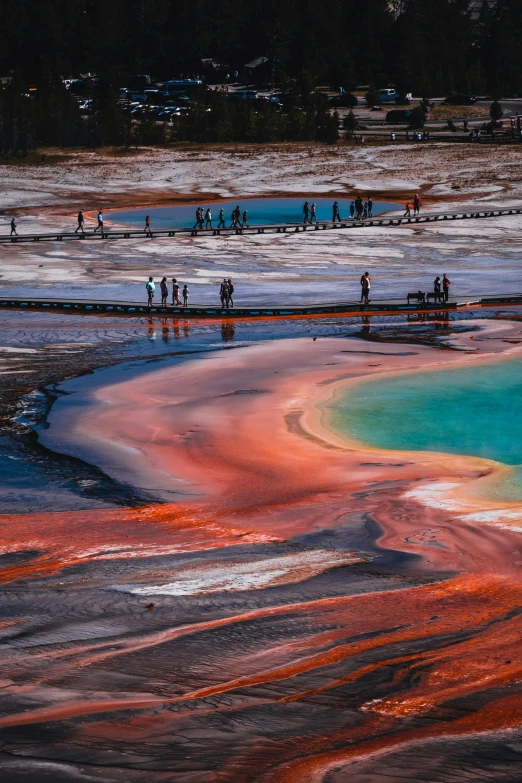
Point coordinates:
[[389, 307], [283, 228]]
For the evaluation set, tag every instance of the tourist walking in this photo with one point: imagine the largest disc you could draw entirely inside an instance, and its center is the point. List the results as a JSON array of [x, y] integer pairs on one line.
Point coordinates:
[[365, 288], [370, 207], [365, 211], [352, 210], [236, 218], [223, 293], [150, 291], [80, 222], [306, 213], [336, 217], [221, 223], [13, 227], [164, 291], [100, 222], [313, 213], [445, 286], [408, 210], [147, 225], [230, 292], [416, 204], [185, 295], [199, 218], [208, 218], [244, 224], [175, 292]]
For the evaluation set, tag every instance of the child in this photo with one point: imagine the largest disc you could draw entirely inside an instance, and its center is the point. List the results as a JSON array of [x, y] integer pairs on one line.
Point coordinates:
[[175, 292], [185, 295]]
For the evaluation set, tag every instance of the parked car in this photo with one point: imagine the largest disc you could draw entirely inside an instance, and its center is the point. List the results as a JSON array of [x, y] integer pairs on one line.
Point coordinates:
[[388, 95], [398, 116], [460, 99]]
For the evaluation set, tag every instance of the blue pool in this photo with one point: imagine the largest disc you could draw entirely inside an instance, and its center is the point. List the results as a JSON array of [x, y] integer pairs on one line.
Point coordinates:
[[474, 411], [261, 211]]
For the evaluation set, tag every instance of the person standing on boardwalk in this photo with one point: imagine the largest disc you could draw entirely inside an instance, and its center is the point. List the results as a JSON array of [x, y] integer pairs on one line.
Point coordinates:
[[370, 207], [313, 213], [352, 210], [13, 227], [185, 295], [199, 218], [221, 223], [436, 287], [100, 221], [230, 292], [150, 291], [164, 291], [365, 288], [336, 217], [408, 210], [445, 286], [175, 292], [416, 204], [306, 213], [147, 226], [208, 218], [244, 224], [223, 293], [80, 222]]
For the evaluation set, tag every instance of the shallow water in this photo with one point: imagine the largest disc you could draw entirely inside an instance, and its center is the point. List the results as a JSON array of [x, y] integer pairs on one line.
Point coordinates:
[[474, 411], [261, 211]]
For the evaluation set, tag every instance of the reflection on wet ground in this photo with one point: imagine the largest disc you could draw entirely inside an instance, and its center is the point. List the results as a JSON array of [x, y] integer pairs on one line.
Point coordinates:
[[334, 632], [40, 350]]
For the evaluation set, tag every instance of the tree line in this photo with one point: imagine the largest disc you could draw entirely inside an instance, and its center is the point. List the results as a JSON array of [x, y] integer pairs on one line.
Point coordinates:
[[427, 46], [51, 117]]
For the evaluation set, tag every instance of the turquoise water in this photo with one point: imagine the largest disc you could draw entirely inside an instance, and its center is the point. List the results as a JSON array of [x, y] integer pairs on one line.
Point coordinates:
[[474, 411], [261, 211]]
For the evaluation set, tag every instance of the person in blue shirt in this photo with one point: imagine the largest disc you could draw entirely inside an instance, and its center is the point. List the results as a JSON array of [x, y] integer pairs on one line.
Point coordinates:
[[150, 291], [100, 222]]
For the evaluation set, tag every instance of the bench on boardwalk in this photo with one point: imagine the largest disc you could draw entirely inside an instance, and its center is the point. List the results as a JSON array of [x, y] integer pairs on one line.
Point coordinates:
[[418, 296], [437, 296]]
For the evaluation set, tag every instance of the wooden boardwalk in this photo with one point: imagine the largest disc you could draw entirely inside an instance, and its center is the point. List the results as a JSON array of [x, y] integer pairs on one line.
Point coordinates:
[[378, 221], [386, 307]]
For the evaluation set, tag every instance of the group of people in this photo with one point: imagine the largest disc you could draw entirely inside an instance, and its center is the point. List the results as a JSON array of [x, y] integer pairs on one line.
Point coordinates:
[[81, 222], [359, 210], [164, 288], [416, 207], [204, 218], [440, 288], [226, 292], [444, 285]]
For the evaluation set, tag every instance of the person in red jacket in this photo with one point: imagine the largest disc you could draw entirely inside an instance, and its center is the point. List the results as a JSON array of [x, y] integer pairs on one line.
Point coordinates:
[[416, 204], [445, 286]]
